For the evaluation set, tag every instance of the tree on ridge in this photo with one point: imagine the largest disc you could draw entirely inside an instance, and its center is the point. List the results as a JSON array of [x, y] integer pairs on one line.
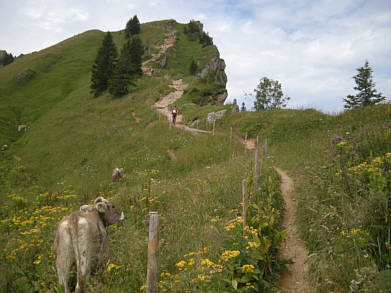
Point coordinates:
[[367, 94], [132, 27], [269, 95], [104, 65]]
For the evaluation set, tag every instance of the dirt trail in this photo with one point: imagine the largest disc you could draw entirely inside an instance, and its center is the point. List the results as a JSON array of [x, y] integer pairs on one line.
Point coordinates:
[[295, 279], [168, 42], [162, 105]]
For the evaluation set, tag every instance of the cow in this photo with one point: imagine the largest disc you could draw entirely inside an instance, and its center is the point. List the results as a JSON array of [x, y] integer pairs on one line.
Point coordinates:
[[23, 127], [336, 139], [117, 174], [81, 240]]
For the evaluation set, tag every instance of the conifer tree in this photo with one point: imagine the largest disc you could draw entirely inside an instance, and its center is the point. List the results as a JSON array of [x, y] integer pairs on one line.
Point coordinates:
[[366, 90], [132, 27], [128, 67], [104, 65], [243, 108], [121, 77], [136, 51], [193, 67]]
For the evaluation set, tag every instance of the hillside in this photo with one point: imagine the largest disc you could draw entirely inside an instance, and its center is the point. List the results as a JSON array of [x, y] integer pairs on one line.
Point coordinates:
[[194, 180]]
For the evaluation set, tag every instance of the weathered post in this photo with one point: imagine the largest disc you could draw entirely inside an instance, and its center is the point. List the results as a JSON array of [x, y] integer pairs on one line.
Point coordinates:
[[256, 170], [214, 125], [159, 115], [230, 137], [261, 165], [265, 147], [244, 195], [153, 245], [245, 142], [257, 141]]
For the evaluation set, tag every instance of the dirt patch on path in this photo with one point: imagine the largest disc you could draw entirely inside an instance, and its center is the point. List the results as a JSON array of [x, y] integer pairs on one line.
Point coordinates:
[[250, 143], [135, 117], [295, 279], [162, 105], [171, 153]]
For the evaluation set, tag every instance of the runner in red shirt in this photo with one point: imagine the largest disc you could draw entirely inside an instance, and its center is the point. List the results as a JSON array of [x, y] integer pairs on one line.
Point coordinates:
[[174, 113]]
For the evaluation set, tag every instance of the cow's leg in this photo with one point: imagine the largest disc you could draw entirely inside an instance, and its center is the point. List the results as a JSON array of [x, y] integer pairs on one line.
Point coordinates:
[[83, 259], [64, 260]]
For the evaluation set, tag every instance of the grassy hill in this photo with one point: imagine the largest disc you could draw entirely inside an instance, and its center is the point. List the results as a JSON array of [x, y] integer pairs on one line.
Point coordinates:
[[194, 181]]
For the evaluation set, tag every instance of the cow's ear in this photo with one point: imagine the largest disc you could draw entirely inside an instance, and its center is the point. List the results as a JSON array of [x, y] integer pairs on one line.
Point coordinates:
[[98, 199], [101, 207]]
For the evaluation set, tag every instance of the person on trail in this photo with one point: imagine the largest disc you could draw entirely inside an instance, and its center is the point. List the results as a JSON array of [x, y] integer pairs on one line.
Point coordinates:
[[174, 112]]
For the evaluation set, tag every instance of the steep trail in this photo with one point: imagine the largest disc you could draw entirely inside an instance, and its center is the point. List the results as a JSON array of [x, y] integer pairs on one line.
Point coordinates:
[[295, 278], [179, 86]]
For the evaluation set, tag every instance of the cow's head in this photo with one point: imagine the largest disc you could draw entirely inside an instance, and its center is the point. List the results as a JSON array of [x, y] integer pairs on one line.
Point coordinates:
[[106, 209]]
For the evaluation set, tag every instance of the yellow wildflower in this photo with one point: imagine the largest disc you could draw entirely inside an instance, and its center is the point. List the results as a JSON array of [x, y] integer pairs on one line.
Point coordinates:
[[180, 264], [228, 254], [248, 269]]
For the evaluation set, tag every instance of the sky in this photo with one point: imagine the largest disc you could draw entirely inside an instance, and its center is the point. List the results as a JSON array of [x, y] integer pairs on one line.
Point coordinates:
[[312, 47]]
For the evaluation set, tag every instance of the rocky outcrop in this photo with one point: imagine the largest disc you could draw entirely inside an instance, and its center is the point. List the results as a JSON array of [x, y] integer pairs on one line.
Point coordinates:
[[213, 116], [221, 97], [235, 108], [215, 67]]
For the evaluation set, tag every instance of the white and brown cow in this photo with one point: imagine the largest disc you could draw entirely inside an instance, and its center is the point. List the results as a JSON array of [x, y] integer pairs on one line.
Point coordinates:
[[117, 174], [81, 240]]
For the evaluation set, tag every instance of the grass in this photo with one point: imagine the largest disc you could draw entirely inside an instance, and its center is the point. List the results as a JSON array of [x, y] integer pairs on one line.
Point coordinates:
[[74, 142]]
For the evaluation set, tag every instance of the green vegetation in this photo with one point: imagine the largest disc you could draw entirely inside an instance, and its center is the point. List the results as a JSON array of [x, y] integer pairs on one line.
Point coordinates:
[[66, 157], [365, 86], [104, 65], [269, 95], [132, 27]]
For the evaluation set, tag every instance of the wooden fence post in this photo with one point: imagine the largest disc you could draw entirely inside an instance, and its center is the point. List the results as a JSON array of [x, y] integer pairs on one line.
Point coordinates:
[[256, 170], [214, 126], [265, 147], [230, 137], [245, 142], [261, 165], [153, 246], [244, 195]]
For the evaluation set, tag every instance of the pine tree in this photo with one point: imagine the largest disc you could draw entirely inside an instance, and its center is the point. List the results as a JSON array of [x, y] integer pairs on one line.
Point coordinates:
[[243, 108], [193, 67], [132, 27], [128, 67], [104, 65], [121, 77], [269, 95], [366, 90], [136, 51]]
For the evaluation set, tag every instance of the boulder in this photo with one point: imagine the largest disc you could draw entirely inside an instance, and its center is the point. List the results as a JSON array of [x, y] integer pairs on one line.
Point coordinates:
[[213, 116], [4, 148]]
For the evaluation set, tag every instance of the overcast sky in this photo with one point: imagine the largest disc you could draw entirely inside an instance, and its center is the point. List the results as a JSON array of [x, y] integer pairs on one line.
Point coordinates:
[[311, 47]]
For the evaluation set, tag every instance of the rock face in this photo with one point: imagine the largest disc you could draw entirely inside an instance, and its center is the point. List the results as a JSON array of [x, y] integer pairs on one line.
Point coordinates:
[[216, 67], [213, 116], [235, 108]]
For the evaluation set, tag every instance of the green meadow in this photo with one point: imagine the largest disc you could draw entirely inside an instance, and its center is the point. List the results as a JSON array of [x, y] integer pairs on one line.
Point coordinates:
[[194, 181]]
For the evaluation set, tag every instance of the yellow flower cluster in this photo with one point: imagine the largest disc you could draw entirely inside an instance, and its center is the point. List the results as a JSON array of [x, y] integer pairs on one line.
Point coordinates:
[[247, 268], [352, 232], [252, 244], [232, 223], [228, 254], [113, 266], [17, 198]]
